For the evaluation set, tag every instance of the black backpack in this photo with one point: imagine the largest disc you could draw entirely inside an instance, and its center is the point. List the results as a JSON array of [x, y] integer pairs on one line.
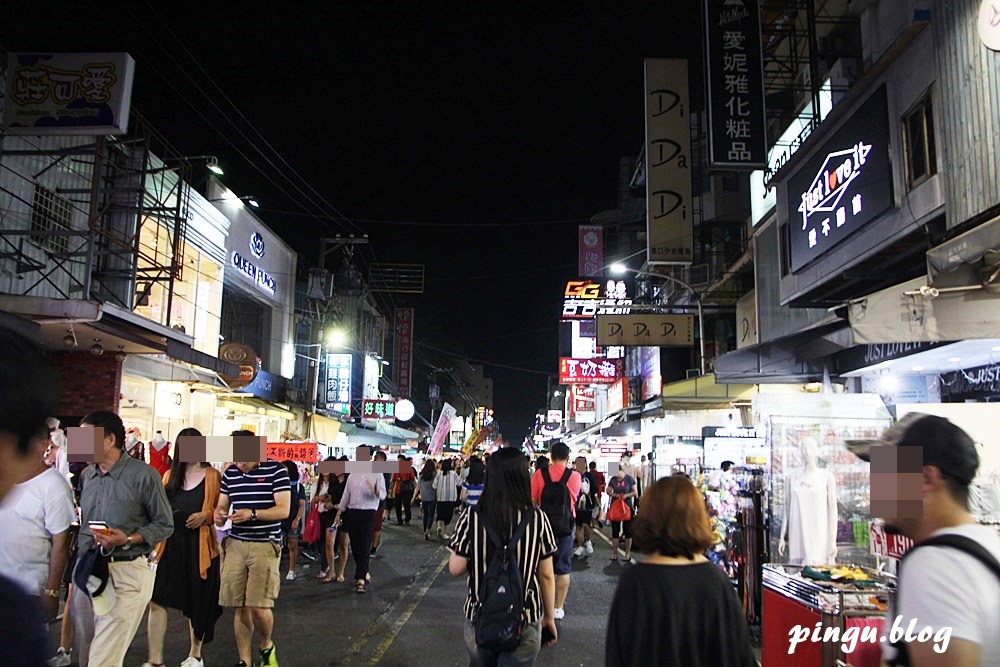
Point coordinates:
[[556, 503], [964, 544], [498, 620]]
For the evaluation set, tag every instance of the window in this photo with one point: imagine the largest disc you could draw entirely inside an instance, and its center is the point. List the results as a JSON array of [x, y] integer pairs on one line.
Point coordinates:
[[50, 213], [785, 248], [918, 143]]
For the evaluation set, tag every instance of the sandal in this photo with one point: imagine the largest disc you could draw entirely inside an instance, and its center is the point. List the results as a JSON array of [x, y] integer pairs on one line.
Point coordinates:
[[360, 588]]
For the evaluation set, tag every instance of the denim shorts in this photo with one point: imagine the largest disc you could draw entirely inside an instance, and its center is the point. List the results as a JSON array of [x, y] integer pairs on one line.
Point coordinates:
[[562, 561]]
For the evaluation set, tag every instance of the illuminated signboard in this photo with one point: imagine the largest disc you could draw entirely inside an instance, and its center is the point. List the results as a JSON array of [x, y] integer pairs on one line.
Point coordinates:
[[586, 298], [338, 383], [261, 278], [589, 371], [846, 184], [378, 409]]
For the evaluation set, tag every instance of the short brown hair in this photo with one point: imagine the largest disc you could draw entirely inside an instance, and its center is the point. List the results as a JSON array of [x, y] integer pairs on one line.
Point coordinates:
[[673, 520]]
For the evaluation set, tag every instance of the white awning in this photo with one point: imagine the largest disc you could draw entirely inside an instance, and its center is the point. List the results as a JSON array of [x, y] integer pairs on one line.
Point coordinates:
[[912, 312]]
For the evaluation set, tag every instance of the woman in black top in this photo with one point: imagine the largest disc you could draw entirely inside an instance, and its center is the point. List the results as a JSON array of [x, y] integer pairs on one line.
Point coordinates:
[[676, 607]]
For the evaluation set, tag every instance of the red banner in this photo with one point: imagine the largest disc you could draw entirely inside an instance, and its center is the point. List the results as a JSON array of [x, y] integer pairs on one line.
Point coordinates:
[[589, 371], [402, 370], [303, 452]]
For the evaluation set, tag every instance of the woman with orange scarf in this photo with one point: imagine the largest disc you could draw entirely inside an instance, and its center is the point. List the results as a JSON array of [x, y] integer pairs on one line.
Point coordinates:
[[187, 574]]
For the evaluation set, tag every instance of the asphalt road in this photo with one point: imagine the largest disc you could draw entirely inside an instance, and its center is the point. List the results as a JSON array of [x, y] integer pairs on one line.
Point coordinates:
[[412, 614]]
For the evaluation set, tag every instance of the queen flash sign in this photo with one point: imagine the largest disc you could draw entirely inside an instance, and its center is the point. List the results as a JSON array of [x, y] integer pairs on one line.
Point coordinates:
[[589, 371]]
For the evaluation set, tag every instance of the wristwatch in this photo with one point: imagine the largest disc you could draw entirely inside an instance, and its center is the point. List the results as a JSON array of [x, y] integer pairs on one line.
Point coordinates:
[[51, 592], [253, 515], [128, 543]]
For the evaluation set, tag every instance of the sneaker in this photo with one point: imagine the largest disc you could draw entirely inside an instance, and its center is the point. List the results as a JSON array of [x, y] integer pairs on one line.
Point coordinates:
[[62, 658], [560, 614], [589, 547], [579, 551], [322, 573], [374, 552], [268, 657], [192, 661], [288, 577]]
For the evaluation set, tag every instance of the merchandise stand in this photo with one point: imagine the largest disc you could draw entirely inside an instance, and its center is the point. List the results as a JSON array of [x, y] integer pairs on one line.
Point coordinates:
[[790, 600]]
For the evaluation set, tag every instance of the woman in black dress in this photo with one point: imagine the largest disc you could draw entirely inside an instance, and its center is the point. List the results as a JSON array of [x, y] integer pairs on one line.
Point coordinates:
[[676, 607], [187, 574]]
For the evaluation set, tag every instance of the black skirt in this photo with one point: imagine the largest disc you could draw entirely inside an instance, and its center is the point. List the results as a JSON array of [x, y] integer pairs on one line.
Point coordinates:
[[178, 579]]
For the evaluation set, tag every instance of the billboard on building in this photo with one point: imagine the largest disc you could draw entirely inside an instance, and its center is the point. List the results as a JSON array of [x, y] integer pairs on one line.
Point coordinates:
[[645, 329], [670, 239], [737, 129], [589, 371], [846, 184], [338, 383], [68, 93]]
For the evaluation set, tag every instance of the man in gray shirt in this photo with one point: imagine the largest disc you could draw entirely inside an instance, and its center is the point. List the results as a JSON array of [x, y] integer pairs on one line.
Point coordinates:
[[128, 496]]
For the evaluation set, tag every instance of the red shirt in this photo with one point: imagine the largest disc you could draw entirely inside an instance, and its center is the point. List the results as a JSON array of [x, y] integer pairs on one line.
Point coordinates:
[[556, 472]]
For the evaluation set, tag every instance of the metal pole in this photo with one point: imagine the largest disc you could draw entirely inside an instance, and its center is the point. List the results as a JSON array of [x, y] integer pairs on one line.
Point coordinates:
[[701, 334]]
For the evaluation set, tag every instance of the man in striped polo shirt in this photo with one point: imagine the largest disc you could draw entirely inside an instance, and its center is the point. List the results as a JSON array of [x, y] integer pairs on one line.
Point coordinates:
[[259, 494]]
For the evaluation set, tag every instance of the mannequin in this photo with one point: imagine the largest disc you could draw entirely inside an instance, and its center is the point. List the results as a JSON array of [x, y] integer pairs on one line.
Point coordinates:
[[809, 527], [159, 450]]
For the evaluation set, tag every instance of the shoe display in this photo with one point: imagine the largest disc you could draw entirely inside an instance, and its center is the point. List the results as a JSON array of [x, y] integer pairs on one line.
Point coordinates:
[[560, 614], [62, 658], [192, 661], [288, 577], [589, 547], [268, 657]]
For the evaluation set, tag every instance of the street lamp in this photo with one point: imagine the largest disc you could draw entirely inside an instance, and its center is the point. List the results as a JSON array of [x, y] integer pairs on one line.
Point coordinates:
[[618, 268]]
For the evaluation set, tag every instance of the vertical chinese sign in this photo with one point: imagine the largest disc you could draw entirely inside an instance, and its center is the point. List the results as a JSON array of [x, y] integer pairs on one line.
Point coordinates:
[[442, 430], [403, 357], [670, 238], [591, 250], [736, 123], [338, 383]]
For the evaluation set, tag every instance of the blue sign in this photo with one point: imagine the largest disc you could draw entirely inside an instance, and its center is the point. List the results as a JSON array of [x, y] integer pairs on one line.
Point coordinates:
[[267, 386], [338, 383]]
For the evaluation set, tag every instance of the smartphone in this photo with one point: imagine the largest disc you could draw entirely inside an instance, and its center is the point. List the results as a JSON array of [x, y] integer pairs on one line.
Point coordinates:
[[98, 527], [547, 635]]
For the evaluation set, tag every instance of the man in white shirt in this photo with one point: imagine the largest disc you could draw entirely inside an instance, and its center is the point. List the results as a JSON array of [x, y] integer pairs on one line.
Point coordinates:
[[34, 521], [941, 588]]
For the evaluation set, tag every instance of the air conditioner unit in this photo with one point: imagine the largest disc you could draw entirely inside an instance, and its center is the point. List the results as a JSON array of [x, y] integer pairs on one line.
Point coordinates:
[[320, 285]]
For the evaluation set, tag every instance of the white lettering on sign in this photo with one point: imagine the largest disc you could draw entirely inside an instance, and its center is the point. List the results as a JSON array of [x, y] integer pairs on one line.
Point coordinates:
[[831, 182], [259, 276]]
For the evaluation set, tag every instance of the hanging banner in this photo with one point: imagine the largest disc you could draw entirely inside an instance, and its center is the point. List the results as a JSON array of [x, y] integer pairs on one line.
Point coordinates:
[[670, 239], [589, 371], [470, 442], [302, 452], [402, 359], [737, 131], [442, 430], [645, 330], [591, 250]]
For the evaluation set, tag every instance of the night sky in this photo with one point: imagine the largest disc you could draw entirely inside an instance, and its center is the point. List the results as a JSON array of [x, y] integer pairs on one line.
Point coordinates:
[[469, 137]]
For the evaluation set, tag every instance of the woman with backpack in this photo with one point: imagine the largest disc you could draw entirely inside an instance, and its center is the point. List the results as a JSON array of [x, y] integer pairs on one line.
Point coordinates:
[[403, 485], [505, 514]]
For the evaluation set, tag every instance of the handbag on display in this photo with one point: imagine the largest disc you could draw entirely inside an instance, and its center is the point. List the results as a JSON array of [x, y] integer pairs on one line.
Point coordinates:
[[619, 510], [312, 530]]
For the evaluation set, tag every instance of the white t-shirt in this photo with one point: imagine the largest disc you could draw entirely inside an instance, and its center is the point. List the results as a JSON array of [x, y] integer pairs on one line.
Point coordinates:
[[33, 512], [942, 587]]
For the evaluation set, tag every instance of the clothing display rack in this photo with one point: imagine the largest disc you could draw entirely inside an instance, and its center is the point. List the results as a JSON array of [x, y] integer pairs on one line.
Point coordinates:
[[749, 541]]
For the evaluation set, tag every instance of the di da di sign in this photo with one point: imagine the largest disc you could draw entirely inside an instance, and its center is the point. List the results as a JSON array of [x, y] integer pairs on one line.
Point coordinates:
[[845, 185]]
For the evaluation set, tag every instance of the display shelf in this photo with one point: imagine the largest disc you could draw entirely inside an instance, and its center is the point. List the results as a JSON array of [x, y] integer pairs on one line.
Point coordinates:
[[827, 597]]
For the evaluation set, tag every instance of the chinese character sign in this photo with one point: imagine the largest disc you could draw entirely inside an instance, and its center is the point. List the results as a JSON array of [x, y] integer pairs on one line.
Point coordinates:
[[736, 122], [591, 250], [403, 348], [378, 409], [846, 183], [303, 452], [669, 219], [589, 371], [68, 93], [338, 383]]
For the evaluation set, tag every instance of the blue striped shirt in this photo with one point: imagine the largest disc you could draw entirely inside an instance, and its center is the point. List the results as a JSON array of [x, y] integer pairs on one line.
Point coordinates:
[[255, 490], [472, 493]]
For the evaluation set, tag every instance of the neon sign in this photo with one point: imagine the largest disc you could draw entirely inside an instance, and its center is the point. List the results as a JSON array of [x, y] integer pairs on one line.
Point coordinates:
[[832, 181], [586, 298]]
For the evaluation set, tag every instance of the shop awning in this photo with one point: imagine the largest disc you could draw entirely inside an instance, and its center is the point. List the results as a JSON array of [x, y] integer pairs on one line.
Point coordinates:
[[597, 427], [703, 393], [365, 436], [912, 312], [789, 359], [964, 251], [256, 406], [395, 431], [162, 369], [325, 430]]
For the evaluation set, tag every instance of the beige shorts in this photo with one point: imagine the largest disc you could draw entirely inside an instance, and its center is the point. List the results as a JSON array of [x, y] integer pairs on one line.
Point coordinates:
[[250, 574]]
